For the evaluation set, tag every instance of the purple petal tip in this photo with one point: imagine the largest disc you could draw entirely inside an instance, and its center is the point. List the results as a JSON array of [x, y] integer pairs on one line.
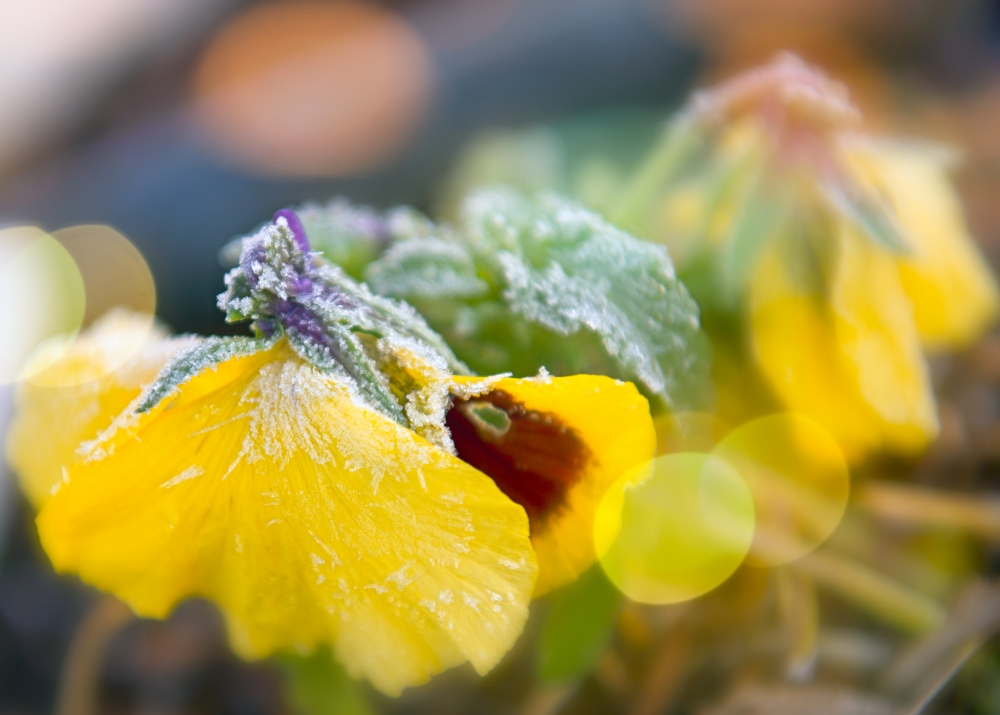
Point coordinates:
[[295, 224]]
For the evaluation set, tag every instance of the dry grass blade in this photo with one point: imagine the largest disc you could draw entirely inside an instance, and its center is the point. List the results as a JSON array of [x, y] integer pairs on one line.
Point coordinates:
[[908, 504], [921, 671]]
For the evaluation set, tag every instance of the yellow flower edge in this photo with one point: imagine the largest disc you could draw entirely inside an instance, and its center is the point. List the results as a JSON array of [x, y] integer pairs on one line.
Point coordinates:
[[610, 423], [953, 291], [267, 487], [850, 360], [86, 382]]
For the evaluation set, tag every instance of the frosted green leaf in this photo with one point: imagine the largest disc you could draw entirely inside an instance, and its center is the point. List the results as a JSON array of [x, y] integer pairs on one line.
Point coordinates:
[[350, 236], [206, 353], [430, 267], [568, 270]]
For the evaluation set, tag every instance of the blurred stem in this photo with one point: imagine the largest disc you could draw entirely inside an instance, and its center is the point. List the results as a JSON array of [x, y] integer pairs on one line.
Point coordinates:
[[920, 506], [547, 701], [77, 693], [800, 612], [670, 665], [678, 140], [882, 597]]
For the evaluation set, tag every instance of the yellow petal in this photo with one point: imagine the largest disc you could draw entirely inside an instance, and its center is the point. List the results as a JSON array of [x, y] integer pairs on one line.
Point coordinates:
[[568, 440], [876, 329], [953, 292], [267, 487], [87, 382], [852, 362]]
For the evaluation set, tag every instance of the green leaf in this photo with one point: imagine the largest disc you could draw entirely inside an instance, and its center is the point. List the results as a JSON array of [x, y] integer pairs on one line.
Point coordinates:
[[350, 236], [318, 685], [207, 353], [364, 311], [566, 269], [578, 627], [429, 267]]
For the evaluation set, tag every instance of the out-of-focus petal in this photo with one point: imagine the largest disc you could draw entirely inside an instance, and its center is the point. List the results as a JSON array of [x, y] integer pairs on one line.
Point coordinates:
[[851, 360], [953, 292], [78, 393]]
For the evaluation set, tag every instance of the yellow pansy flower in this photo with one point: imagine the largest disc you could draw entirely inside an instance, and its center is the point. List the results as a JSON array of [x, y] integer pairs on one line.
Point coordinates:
[[330, 481], [265, 486], [77, 386], [838, 256]]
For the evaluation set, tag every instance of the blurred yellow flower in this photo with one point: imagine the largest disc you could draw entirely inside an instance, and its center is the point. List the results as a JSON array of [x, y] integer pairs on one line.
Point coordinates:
[[840, 257], [849, 356], [953, 292]]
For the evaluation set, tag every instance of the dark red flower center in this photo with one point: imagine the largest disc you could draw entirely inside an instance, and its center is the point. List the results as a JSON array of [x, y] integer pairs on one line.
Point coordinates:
[[532, 456]]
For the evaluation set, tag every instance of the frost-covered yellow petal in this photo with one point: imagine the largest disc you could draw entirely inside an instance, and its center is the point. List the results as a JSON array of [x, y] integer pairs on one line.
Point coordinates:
[[89, 380], [851, 360], [267, 487], [953, 292], [590, 430]]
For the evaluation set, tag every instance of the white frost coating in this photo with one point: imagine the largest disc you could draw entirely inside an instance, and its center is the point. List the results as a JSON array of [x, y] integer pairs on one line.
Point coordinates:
[[429, 267], [426, 375], [455, 498], [512, 565], [189, 473], [544, 377], [277, 407], [402, 577], [566, 269], [468, 390], [121, 350]]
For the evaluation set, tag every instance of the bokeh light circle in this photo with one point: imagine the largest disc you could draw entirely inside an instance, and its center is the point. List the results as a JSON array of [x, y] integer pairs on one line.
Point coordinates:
[[799, 479], [310, 88], [42, 294], [115, 276], [675, 529]]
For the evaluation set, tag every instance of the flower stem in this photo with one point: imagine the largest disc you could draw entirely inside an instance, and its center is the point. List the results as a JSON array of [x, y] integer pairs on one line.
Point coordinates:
[[79, 680], [679, 139]]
